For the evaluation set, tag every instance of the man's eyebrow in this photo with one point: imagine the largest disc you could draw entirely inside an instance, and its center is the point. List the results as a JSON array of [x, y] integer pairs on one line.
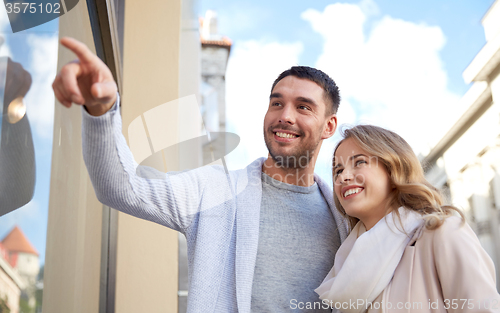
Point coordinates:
[[299, 99], [275, 95], [306, 100]]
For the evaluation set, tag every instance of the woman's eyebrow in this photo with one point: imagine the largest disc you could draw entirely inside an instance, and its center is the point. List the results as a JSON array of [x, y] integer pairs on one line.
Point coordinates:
[[350, 158], [356, 156]]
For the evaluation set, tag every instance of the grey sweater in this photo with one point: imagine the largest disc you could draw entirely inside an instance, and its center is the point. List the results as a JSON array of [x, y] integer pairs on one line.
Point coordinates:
[[298, 239], [218, 213]]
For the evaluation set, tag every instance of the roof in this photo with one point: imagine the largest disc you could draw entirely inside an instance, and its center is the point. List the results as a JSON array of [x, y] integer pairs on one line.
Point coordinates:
[[16, 241], [223, 42], [3, 252]]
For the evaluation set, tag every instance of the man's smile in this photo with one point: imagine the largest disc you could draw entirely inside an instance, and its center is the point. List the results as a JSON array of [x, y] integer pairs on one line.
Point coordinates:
[[282, 135]]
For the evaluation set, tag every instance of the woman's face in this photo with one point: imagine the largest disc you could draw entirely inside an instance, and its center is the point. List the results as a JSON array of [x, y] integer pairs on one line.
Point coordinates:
[[361, 183]]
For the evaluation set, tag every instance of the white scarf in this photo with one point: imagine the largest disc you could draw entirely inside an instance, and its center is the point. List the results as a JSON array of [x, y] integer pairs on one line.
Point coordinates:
[[366, 261]]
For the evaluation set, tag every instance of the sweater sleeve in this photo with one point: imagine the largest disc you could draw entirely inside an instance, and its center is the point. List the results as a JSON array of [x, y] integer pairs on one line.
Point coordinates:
[[172, 201], [465, 270]]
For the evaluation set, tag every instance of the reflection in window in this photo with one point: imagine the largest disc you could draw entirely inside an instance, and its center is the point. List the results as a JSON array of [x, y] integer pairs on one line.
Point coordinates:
[[28, 61], [17, 160]]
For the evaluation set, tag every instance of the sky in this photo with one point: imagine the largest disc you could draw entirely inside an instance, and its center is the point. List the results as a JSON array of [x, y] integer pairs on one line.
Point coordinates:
[[398, 64]]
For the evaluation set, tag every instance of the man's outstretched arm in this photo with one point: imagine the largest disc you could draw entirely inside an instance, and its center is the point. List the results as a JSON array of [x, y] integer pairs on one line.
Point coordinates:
[[173, 201]]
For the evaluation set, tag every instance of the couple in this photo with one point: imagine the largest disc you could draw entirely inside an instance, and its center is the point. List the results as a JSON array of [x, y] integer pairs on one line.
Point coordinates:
[[269, 238]]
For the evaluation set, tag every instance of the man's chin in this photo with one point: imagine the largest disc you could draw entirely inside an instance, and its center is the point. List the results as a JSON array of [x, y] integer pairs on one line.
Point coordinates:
[[285, 160]]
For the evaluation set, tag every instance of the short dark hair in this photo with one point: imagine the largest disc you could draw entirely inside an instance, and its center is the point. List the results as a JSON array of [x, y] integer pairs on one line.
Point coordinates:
[[331, 91]]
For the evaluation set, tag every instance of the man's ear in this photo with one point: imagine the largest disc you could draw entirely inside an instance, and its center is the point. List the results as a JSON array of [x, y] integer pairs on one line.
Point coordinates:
[[330, 127]]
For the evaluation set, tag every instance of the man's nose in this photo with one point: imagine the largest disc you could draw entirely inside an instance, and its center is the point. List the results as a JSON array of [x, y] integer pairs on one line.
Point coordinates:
[[287, 115]]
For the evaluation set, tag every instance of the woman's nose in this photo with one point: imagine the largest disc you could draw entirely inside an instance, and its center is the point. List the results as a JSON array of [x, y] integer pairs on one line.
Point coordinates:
[[346, 176]]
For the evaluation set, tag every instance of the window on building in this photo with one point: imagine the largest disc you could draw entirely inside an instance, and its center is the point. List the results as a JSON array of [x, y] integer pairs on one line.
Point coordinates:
[[470, 214], [28, 61], [491, 194]]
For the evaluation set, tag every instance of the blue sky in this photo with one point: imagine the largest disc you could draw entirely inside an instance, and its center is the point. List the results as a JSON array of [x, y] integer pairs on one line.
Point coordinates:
[[434, 40], [460, 21], [392, 60]]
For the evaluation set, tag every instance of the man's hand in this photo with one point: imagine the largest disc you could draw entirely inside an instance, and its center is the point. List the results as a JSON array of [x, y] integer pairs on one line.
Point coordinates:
[[17, 81], [85, 81], [17, 85]]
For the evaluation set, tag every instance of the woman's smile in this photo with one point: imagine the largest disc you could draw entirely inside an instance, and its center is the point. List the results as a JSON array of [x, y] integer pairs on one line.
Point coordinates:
[[351, 191]]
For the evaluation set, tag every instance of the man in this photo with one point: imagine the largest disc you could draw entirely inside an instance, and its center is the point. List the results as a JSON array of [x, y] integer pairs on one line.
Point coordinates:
[[260, 239]]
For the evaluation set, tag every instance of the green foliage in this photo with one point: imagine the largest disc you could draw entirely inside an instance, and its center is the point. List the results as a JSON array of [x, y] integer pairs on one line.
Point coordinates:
[[24, 306], [4, 308], [40, 273], [39, 298]]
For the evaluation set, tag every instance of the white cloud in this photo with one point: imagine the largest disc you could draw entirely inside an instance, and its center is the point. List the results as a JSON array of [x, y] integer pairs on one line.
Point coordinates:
[[4, 30], [4, 48], [4, 22], [394, 76], [251, 71], [40, 99]]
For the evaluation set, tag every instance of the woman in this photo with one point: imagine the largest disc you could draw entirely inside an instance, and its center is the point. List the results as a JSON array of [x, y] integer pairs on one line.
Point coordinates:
[[406, 251]]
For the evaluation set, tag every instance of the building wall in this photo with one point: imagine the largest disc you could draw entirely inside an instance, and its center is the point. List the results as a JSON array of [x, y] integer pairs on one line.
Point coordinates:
[[147, 253], [28, 266], [10, 290], [213, 73], [491, 22], [470, 165], [189, 84], [73, 250]]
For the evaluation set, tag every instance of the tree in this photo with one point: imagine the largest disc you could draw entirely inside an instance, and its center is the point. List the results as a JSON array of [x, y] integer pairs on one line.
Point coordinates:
[[4, 308]]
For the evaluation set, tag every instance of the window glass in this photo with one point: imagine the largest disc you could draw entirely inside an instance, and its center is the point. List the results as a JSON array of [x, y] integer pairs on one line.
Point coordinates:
[[28, 61]]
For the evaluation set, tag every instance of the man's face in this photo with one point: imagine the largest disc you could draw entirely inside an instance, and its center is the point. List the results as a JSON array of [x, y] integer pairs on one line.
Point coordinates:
[[295, 122]]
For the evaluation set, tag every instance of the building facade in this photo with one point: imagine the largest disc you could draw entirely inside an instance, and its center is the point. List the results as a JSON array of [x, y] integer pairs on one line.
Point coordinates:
[[466, 160], [20, 266], [215, 50], [11, 284], [204, 55]]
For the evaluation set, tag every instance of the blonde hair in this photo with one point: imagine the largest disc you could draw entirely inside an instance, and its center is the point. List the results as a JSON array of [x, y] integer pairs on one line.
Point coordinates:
[[412, 190]]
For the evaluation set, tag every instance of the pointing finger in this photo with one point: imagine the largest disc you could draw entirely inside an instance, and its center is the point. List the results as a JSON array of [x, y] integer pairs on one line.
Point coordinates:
[[80, 49]]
